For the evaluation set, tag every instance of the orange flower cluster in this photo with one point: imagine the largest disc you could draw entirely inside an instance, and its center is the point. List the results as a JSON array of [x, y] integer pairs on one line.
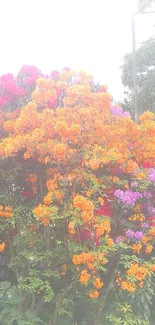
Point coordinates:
[[89, 259], [94, 294], [98, 284], [6, 212], [63, 269], [86, 206], [139, 272], [84, 277], [102, 227], [45, 214], [136, 275], [128, 285]]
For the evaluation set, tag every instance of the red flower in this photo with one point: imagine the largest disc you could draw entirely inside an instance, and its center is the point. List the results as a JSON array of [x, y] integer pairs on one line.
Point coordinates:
[[52, 103], [103, 89], [84, 235], [27, 195], [104, 209], [58, 91], [147, 164]]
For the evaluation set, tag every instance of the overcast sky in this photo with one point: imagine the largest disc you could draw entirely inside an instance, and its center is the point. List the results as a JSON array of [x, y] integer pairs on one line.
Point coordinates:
[[84, 34]]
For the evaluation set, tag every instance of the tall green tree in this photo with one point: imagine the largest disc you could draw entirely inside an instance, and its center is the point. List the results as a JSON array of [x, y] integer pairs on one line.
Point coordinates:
[[145, 65]]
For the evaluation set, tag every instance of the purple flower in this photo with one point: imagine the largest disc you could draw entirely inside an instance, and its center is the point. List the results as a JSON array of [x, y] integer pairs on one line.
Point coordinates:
[[126, 114], [118, 111], [145, 225], [119, 239], [119, 194], [138, 235], [129, 233], [147, 195], [133, 183], [151, 209], [152, 175], [128, 197]]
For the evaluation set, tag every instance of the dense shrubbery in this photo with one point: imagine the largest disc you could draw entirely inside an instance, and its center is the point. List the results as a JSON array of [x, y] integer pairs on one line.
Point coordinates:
[[76, 203]]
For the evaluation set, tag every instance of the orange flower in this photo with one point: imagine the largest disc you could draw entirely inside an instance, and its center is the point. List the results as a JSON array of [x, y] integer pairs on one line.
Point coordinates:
[[98, 284], [64, 268], [71, 228], [118, 281], [62, 128], [137, 217], [137, 248], [59, 151], [2, 246], [149, 248], [101, 200], [110, 242], [152, 267], [127, 285], [84, 277], [6, 212], [152, 231], [103, 227], [137, 271], [94, 294], [141, 175], [141, 284]]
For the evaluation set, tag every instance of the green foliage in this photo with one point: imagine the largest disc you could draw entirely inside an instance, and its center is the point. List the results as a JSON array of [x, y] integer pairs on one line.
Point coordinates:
[[145, 65]]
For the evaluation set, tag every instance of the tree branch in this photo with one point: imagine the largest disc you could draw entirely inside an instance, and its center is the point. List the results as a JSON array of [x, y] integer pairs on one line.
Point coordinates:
[[53, 321]]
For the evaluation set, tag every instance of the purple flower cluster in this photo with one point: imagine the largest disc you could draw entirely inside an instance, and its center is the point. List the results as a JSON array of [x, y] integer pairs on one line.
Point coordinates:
[[118, 111], [127, 197], [134, 234], [152, 175]]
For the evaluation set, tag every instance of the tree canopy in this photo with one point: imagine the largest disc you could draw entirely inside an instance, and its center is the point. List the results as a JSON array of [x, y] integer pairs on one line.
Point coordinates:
[[145, 66]]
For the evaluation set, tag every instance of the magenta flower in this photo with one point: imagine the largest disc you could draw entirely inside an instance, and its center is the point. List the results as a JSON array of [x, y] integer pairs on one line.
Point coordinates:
[[152, 176], [145, 225], [138, 235], [119, 239], [29, 81], [118, 111], [129, 233], [128, 197]]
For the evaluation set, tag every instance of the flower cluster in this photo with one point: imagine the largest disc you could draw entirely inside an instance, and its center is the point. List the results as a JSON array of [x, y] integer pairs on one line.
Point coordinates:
[[6, 212]]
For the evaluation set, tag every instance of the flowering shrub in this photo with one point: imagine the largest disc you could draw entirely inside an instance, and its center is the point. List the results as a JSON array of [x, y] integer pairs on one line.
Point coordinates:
[[77, 199]]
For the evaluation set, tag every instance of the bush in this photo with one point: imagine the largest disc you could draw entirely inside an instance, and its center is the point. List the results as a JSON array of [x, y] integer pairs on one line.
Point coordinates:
[[77, 204]]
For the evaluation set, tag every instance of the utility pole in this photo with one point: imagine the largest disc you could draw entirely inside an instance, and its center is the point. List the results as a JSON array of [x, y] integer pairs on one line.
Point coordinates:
[[145, 3]]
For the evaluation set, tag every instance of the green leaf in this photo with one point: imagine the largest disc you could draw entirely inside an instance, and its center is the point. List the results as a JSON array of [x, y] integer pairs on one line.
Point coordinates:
[[5, 285]]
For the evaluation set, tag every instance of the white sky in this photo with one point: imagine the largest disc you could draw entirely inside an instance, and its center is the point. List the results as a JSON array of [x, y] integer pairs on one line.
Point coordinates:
[[84, 34]]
